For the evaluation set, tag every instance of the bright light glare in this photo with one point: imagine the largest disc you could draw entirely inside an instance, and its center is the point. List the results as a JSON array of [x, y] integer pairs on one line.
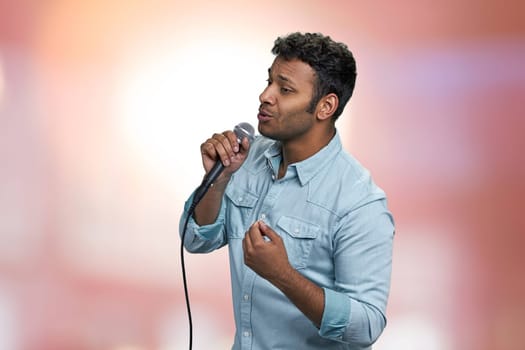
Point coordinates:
[[170, 101], [413, 332]]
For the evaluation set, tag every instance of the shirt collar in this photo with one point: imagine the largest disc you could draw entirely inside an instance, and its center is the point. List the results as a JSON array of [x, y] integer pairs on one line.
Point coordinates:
[[309, 167]]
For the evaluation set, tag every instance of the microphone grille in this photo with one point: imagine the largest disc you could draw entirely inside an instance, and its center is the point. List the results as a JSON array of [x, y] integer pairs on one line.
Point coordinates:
[[243, 130]]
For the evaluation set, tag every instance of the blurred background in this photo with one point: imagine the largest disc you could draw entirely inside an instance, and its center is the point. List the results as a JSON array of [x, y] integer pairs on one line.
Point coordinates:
[[103, 106]]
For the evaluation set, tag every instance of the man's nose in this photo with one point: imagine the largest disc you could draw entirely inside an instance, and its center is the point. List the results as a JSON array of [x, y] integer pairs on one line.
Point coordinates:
[[267, 96]]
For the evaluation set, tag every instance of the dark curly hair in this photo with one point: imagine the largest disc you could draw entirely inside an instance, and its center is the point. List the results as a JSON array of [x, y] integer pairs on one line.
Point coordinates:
[[332, 62]]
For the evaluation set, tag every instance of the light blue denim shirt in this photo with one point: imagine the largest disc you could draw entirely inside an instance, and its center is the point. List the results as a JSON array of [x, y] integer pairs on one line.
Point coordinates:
[[337, 231]]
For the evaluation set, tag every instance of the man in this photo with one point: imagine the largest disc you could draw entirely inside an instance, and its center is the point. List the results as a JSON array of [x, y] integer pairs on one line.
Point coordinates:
[[309, 233]]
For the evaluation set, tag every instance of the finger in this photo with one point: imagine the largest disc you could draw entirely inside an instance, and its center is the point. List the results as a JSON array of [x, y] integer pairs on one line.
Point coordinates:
[[247, 246], [267, 231], [222, 148], [251, 234], [232, 137], [245, 145], [255, 234], [208, 150], [229, 141]]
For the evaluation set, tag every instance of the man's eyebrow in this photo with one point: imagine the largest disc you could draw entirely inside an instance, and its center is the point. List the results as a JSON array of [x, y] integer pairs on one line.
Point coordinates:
[[280, 76]]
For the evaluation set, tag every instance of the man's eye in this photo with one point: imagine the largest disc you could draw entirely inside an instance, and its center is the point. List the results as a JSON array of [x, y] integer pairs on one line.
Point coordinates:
[[285, 90]]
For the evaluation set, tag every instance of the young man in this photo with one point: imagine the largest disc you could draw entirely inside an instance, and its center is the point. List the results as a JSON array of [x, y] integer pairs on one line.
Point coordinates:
[[309, 233]]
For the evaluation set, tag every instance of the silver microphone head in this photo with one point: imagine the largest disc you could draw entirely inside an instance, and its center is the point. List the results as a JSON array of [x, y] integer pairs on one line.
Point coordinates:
[[243, 130]]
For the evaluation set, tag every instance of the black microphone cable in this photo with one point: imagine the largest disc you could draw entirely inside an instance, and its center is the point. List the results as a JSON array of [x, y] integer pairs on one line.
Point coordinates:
[[241, 130], [184, 281]]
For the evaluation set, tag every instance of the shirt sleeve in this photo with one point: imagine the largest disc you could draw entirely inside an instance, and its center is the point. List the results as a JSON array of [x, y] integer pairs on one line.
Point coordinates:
[[202, 239], [355, 307]]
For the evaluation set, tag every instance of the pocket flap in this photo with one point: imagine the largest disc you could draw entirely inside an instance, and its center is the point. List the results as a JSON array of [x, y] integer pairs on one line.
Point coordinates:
[[298, 228], [241, 198]]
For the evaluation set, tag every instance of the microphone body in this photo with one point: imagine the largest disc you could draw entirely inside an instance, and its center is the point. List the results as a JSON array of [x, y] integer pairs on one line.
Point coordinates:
[[241, 130]]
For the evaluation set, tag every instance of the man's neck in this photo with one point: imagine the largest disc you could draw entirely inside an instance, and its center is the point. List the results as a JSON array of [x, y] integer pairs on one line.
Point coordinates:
[[296, 151]]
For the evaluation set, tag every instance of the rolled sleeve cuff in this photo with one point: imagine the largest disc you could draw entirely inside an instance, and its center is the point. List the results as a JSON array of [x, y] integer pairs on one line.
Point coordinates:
[[206, 232], [336, 315]]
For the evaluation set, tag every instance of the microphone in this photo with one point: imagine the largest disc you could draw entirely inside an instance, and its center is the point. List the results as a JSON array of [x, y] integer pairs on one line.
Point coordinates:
[[241, 130]]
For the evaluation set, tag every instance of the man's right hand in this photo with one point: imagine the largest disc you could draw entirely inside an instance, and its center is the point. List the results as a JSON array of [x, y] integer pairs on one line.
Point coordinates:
[[224, 147]]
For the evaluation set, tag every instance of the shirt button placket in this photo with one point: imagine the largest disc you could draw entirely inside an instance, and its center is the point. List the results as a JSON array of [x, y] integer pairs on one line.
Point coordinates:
[[246, 323]]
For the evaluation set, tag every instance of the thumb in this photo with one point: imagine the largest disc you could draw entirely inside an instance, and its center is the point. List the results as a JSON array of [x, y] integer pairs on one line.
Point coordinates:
[[245, 143], [267, 231]]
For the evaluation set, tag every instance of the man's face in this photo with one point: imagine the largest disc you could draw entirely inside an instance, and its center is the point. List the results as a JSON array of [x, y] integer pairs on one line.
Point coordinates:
[[283, 112]]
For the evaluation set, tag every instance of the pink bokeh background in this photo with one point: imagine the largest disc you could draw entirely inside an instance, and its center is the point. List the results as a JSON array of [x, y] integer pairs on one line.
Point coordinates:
[[103, 105]]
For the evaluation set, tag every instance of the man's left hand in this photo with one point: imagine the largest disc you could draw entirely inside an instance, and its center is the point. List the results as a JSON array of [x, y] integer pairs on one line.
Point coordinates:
[[265, 253]]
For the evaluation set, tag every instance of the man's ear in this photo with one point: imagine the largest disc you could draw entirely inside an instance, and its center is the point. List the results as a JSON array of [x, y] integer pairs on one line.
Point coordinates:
[[327, 106]]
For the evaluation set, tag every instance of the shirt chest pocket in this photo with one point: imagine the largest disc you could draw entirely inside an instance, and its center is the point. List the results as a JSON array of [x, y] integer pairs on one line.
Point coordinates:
[[298, 236], [239, 211]]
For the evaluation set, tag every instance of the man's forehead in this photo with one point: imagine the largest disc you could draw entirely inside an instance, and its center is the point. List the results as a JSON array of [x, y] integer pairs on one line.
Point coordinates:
[[291, 70]]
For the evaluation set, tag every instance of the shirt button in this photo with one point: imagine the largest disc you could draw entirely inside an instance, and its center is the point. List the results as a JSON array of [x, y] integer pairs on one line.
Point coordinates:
[[240, 199], [263, 216], [246, 297], [246, 334]]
